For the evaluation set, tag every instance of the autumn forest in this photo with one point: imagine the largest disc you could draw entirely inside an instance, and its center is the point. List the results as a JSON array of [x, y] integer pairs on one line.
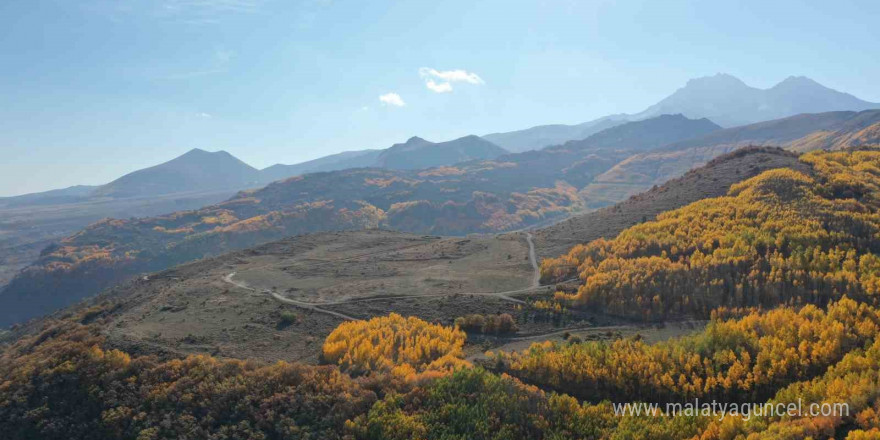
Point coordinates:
[[785, 268]]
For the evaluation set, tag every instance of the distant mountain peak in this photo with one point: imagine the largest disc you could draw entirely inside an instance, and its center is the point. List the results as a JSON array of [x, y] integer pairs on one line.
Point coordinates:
[[200, 154], [418, 153], [195, 170], [798, 82], [717, 80], [195, 152], [728, 101]]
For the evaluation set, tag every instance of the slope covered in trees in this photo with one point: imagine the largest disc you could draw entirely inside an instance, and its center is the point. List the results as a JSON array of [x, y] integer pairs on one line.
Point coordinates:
[[711, 180], [63, 382], [733, 360], [780, 237], [404, 346]]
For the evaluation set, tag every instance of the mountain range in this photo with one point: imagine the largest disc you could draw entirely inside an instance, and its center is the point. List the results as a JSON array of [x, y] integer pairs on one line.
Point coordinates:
[[806, 132], [458, 187], [509, 192], [722, 98]]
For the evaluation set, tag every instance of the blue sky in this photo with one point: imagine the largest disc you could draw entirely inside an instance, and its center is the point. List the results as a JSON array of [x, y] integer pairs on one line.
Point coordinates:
[[93, 89]]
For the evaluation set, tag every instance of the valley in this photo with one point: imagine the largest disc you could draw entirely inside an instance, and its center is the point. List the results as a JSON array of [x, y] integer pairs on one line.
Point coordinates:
[[298, 302], [288, 294]]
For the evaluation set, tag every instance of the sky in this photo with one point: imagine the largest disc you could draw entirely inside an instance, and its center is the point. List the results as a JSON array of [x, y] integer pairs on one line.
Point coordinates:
[[93, 89]]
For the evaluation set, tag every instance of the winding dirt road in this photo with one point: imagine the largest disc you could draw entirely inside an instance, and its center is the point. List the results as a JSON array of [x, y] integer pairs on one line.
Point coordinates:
[[536, 280], [535, 285], [279, 298]]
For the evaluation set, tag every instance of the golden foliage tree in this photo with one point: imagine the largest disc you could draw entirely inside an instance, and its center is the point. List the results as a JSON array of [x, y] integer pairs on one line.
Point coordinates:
[[394, 344], [782, 237]]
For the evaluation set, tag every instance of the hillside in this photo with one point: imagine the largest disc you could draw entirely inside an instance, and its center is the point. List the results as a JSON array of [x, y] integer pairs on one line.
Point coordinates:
[[419, 275], [418, 153], [197, 170], [177, 346], [781, 237], [512, 192], [333, 162], [415, 153], [798, 133], [645, 135], [542, 136], [73, 194], [710, 180]]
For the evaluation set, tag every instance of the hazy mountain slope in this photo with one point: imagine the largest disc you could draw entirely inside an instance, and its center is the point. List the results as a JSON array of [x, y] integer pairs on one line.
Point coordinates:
[[25, 230], [722, 98], [197, 170], [333, 162], [417, 153], [56, 196], [730, 102], [509, 193], [802, 132], [710, 180], [545, 135], [512, 192], [862, 129], [645, 135], [30, 222]]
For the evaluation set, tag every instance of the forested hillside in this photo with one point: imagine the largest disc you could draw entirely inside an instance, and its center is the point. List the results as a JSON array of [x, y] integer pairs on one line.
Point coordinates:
[[782, 237], [64, 382], [778, 239]]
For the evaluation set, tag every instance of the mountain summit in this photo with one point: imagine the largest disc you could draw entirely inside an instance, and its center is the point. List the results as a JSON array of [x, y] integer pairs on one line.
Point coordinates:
[[418, 153], [196, 170], [722, 98], [730, 102]]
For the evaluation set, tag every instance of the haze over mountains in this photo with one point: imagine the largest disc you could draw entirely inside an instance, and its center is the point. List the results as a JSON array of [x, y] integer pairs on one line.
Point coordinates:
[[722, 98], [457, 187], [644, 135], [481, 195], [413, 154], [805, 132], [742, 104], [197, 170]]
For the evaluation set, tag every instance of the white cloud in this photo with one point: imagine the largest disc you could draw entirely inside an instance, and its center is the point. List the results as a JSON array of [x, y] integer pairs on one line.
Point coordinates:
[[204, 115], [447, 77], [392, 99], [223, 56], [443, 87]]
